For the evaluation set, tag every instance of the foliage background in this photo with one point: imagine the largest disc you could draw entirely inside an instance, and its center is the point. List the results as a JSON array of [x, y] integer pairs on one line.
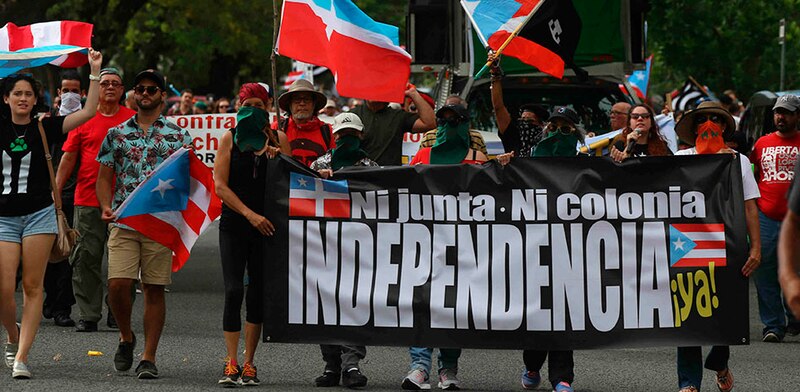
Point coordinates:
[[214, 45]]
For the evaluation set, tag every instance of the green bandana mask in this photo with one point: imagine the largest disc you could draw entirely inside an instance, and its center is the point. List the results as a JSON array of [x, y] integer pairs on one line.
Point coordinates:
[[452, 144], [347, 152], [557, 144], [250, 124]]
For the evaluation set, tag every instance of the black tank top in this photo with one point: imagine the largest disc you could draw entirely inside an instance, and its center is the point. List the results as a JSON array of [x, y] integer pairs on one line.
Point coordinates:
[[247, 179]]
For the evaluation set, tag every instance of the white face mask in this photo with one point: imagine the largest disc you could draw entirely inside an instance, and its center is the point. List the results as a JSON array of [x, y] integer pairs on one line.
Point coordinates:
[[70, 103]]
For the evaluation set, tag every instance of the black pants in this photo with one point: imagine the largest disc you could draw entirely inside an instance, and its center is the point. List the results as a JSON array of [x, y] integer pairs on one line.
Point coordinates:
[[560, 365], [58, 278], [240, 250]]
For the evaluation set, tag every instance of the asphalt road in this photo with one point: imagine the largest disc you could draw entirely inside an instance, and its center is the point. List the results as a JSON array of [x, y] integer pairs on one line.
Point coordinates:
[[191, 353]]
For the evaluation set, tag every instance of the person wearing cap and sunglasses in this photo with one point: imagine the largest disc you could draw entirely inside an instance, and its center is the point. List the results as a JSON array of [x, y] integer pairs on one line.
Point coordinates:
[[130, 152], [82, 145], [774, 157], [341, 361], [27, 216], [706, 128], [453, 144]]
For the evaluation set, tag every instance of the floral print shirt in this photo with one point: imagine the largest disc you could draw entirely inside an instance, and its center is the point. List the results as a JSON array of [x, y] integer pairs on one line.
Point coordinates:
[[134, 154]]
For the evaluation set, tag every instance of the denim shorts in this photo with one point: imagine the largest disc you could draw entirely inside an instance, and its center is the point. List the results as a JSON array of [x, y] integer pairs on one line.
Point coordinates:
[[15, 228]]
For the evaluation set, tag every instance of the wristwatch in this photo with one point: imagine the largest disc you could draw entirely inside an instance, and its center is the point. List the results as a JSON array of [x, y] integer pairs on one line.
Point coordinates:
[[94, 77]]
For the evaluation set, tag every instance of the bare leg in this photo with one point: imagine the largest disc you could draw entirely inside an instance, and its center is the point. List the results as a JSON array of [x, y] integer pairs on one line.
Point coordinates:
[[121, 303], [9, 263], [232, 344], [155, 310], [252, 333], [35, 250]]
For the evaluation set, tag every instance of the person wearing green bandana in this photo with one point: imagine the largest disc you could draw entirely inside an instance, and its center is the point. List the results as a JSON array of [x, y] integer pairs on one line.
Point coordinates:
[[240, 181], [348, 132], [562, 135], [452, 140]]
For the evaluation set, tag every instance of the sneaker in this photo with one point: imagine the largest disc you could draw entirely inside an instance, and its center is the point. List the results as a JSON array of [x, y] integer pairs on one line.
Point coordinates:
[[11, 354], [563, 386], [250, 375], [793, 329], [327, 379], [123, 359], [230, 374], [20, 371], [724, 380], [531, 379], [354, 379], [416, 379], [448, 379], [688, 389], [86, 326], [146, 370], [771, 337]]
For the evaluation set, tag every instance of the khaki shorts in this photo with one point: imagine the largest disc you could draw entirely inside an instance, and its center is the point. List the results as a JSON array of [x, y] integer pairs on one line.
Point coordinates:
[[130, 252]]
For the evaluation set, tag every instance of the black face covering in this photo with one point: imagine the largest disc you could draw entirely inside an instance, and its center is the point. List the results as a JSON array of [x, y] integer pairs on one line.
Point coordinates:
[[530, 134]]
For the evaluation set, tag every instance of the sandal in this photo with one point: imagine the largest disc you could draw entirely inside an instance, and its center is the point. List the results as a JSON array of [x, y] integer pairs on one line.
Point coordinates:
[[724, 380]]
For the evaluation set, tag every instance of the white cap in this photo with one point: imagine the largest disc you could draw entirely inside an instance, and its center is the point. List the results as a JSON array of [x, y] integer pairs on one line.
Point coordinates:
[[347, 121], [330, 104]]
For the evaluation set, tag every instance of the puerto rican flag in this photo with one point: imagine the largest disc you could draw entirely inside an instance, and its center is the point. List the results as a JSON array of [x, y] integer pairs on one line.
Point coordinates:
[[547, 41], [318, 198], [60, 43], [174, 205], [640, 79], [697, 245], [363, 55]]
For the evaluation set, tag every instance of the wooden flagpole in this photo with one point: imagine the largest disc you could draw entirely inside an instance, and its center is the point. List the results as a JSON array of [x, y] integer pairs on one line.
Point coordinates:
[[273, 60], [508, 40]]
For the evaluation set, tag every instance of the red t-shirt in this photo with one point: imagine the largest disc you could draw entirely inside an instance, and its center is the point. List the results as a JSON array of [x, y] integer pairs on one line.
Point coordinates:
[[774, 158], [86, 140], [423, 156], [307, 142]]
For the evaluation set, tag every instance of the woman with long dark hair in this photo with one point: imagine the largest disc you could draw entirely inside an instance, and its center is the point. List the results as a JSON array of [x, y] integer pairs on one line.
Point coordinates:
[[27, 216], [643, 131]]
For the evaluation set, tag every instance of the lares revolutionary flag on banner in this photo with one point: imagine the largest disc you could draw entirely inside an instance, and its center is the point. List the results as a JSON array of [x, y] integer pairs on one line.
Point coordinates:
[[548, 41], [60, 43], [363, 55], [174, 205], [315, 197]]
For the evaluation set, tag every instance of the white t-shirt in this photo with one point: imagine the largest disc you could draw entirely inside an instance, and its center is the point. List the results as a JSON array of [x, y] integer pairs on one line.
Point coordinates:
[[749, 185]]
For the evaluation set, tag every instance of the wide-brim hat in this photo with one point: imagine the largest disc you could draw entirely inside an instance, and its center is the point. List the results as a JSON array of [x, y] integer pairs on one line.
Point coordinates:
[[302, 85], [685, 127]]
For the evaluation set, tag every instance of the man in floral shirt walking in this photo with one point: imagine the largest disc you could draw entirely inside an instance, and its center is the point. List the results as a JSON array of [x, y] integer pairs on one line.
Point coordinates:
[[130, 152]]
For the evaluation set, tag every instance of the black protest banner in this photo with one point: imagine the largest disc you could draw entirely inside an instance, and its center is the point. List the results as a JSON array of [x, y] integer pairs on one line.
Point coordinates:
[[549, 253]]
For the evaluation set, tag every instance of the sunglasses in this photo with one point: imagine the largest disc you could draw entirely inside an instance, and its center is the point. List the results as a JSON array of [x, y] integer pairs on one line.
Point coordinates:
[[151, 90], [111, 83], [636, 116], [450, 121], [713, 118]]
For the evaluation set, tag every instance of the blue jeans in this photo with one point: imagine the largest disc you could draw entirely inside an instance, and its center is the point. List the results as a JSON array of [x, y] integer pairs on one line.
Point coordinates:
[[421, 358], [771, 307], [690, 364]]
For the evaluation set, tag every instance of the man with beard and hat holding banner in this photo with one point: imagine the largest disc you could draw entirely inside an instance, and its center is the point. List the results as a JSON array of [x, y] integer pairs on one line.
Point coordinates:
[[308, 136], [706, 128]]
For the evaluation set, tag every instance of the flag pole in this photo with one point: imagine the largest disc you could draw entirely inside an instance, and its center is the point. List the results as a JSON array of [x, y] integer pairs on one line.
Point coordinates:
[[273, 60], [508, 40]]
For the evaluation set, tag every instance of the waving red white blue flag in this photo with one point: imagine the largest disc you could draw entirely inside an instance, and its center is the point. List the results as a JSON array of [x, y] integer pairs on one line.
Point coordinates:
[[547, 41], [60, 43], [174, 205], [363, 55]]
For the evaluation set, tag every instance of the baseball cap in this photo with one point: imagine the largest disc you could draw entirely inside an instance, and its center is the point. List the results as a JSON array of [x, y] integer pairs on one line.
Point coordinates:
[[457, 109], [347, 121], [789, 102], [153, 75], [566, 113], [330, 104]]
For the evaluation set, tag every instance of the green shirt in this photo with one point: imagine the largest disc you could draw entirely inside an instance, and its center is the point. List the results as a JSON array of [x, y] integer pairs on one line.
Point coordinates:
[[383, 133]]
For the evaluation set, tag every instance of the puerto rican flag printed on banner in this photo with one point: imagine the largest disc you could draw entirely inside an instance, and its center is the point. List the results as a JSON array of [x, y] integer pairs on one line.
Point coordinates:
[[548, 41], [697, 245], [174, 205], [60, 43], [363, 55], [318, 198]]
